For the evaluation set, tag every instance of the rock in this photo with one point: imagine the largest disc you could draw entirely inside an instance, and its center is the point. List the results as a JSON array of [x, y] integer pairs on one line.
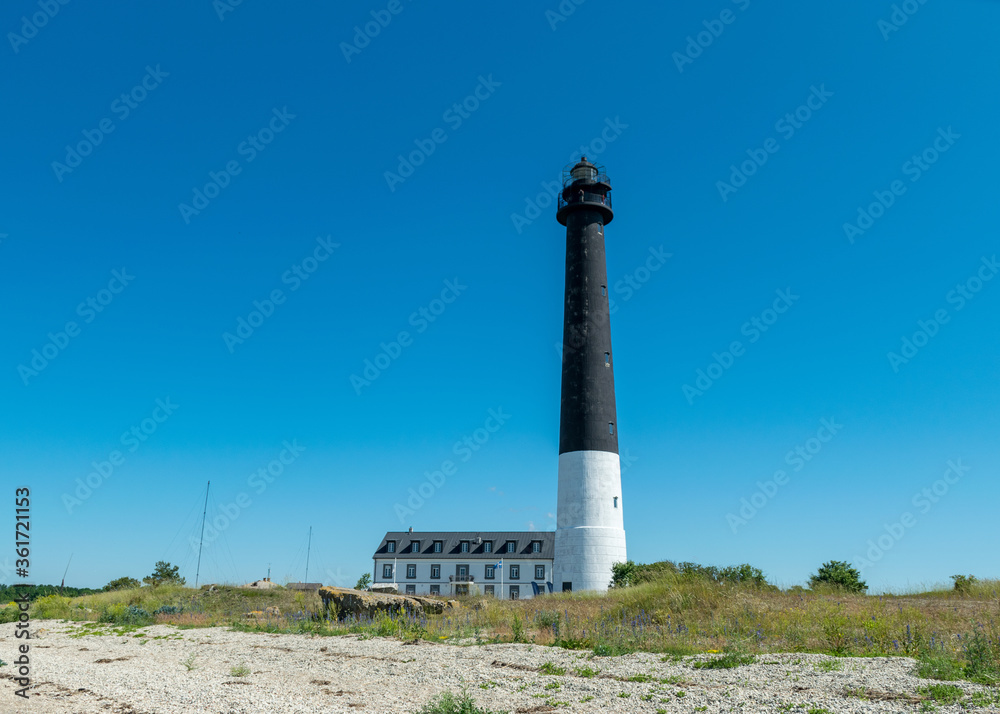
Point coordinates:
[[360, 603]]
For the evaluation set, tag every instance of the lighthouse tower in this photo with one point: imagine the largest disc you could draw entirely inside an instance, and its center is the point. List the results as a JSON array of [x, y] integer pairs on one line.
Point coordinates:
[[590, 531]]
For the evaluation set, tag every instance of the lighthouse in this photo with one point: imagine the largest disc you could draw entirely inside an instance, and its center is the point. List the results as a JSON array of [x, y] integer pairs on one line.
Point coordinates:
[[590, 529]]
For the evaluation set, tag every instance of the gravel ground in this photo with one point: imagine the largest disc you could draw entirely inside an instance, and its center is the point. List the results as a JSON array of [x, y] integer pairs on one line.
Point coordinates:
[[129, 674]]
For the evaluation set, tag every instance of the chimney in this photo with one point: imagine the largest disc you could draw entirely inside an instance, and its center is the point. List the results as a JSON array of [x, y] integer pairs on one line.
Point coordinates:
[[411, 529]]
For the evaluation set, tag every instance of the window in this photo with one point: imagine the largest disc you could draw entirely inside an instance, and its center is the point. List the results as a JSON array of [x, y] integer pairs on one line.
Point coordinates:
[[464, 546], [607, 359], [515, 572], [390, 546], [604, 290], [611, 428], [414, 546], [491, 572], [437, 546], [515, 592], [616, 501], [489, 590], [536, 546], [539, 572], [411, 571], [462, 571], [435, 572], [511, 546], [435, 589], [567, 587], [411, 589], [387, 572], [488, 546]]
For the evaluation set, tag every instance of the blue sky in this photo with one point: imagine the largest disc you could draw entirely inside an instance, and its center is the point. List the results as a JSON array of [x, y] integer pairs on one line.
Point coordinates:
[[175, 164]]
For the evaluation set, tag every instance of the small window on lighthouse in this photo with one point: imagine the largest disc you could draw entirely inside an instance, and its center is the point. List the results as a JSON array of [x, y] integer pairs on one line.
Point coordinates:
[[604, 290], [616, 501], [611, 428], [607, 359]]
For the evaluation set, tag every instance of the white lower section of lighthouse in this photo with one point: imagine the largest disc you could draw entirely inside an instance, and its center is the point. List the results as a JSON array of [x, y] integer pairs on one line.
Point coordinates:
[[590, 530]]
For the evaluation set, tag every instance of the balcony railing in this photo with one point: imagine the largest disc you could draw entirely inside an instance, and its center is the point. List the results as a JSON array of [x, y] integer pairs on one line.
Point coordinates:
[[461, 578], [599, 177], [575, 198]]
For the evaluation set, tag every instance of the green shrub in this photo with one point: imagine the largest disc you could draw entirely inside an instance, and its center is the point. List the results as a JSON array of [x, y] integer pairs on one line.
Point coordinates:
[[52, 607], [964, 583], [125, 583], [9, 613], [838, 574], [120, 614]]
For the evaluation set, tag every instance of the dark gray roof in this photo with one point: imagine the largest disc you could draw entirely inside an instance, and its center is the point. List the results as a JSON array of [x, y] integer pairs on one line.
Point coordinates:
[[451, 544]]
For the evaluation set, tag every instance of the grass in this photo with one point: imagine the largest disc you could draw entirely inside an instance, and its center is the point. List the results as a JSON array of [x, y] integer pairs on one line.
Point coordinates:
[[952, 634], [450, 703], [729, 660], [555, 670], [942, 693], [239, 671]]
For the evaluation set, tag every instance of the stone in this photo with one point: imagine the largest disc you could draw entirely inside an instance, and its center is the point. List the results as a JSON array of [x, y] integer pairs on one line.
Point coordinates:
[[360, 603]]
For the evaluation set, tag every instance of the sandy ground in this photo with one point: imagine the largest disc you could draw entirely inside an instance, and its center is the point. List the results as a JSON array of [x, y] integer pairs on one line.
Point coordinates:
[[163, 670]]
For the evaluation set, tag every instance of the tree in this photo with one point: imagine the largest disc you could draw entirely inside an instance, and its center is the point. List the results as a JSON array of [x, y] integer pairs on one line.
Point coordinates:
[[623, 574], [363, 582], [164, 574], [839, 574], [122, 584]]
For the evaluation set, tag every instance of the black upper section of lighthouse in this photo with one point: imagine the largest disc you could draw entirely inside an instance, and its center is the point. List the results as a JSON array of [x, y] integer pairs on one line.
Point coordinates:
[[587, 420]]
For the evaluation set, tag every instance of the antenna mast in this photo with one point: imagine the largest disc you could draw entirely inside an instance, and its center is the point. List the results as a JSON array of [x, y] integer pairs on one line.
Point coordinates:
[[202, 541], [307, 552]]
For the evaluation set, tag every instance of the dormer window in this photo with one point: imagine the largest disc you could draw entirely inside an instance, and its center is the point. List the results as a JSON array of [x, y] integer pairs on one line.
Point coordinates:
[[464, 546], [488, 546], [536, 546], [511, 546], [438, 546], [414, 546], [390, 546]]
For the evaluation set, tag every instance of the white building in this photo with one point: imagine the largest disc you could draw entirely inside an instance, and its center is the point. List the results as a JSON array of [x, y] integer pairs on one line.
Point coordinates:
[[449, 564]]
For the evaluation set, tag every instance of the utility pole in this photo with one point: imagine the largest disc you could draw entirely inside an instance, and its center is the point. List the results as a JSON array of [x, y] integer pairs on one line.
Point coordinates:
[[204, 513], [307, 552]]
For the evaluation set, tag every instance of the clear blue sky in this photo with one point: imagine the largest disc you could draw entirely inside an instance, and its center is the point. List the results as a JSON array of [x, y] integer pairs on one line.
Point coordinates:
[[300, 130]]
